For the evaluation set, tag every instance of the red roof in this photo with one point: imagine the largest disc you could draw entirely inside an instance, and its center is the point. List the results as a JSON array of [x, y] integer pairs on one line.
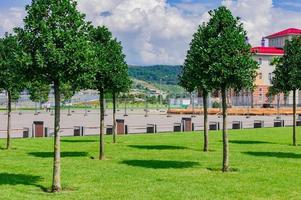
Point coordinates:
[[267, 50], [290, 31]]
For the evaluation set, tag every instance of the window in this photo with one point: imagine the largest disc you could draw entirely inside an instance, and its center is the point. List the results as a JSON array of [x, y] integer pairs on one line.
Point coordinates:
[[271, 75], [260, 75], [260, 61], [260, 97]]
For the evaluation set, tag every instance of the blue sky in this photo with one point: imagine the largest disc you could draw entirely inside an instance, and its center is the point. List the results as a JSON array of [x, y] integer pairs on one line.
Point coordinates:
[[159, 31]]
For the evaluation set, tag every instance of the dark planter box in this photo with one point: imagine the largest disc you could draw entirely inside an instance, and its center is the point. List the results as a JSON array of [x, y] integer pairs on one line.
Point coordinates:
[[177, 127], [109, 130], [151, 128], [25, 132], [258, 124], [78, 131], [214, 126], [278, 123], [237, 125]]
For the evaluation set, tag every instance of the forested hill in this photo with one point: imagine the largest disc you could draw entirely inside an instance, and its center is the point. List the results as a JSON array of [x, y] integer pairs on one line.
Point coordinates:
[[153, 74]]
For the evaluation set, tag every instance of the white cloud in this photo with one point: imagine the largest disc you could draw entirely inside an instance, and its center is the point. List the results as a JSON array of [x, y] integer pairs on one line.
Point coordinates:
[[155, 32], [261, 18], [152, 31], [11, 18]]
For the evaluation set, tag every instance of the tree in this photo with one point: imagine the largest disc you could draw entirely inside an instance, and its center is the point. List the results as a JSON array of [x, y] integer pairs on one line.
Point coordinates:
[[232, 65], [38, 92], [100, 39], [287, 74], [195, 73], [55, 35], [12, 58], [120, 81]]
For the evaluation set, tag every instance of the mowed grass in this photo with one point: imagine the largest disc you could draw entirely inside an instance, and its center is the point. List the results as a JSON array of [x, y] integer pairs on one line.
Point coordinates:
[[161, 166]]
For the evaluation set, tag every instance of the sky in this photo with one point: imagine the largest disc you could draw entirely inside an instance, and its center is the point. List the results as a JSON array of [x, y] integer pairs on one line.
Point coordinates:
[[159, 31]]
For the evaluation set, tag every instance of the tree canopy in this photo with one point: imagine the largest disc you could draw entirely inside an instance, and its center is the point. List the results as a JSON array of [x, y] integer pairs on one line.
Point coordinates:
[[232, 65], [12, 58]]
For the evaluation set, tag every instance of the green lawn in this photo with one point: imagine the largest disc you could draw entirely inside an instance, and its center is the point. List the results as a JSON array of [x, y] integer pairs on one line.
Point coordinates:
[[162, 166]]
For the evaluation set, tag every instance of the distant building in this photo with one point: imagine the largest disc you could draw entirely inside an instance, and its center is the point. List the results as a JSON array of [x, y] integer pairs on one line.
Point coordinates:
[[264, 56]]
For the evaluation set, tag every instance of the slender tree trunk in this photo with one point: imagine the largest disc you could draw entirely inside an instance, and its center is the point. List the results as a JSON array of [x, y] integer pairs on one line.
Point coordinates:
[[114, 118], [56, 182], [225, 134], [206, 136], [101, 124], [294, 118], [8, 144]]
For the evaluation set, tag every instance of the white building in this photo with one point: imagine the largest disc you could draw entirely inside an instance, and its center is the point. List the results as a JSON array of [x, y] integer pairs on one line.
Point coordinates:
[[264, 55]]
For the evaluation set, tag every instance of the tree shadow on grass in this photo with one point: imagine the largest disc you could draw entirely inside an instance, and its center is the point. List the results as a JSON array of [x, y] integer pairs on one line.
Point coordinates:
[[248, 142], [20, 179], [63, 154], [157, 147], [274, 154], [160, 164], [78, 141]]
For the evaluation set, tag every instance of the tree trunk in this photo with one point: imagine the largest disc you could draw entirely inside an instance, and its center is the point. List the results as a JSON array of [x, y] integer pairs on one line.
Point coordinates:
[[8, 145], [225, 134], [206, 136], [56, 182], [101, 124], [294, 118], [114, 118]]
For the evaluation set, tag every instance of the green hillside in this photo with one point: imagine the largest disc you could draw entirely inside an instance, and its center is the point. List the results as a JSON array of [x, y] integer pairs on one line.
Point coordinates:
[[152, 74]]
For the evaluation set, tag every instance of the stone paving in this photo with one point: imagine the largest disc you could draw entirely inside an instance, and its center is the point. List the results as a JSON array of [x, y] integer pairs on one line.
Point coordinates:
[[136, 121]]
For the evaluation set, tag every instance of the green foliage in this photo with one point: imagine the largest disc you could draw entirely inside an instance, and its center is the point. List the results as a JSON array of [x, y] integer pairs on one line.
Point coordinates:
[[264, 160], [195, 72], [55, 35], [216, 104], [110, 68], [231, 63], [67, 92], [101, 38], [166, 74], [287, 74], [12, 58], [38, 91]]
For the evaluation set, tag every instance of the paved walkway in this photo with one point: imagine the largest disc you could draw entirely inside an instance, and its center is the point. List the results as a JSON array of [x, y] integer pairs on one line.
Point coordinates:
[[135, 120]]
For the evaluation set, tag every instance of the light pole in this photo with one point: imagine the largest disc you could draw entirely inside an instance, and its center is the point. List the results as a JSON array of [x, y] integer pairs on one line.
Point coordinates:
[[168, 110], [146, 106], [192, 97], [125, 108], [36, 109], [278, 107], [248, 106], [86, 111]]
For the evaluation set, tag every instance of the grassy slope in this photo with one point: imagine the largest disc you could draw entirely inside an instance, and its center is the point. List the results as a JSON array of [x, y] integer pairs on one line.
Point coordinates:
[[164, 166]]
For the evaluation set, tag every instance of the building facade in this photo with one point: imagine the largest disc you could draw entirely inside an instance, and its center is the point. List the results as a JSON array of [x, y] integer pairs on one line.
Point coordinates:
[[264, 55]]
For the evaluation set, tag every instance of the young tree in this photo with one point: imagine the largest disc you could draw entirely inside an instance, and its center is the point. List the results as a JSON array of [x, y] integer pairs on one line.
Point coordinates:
[[11, 80], [100, 38], [38, 92], [55, 34], [232, 65], [120, 80], [195, 73], [288, 74]]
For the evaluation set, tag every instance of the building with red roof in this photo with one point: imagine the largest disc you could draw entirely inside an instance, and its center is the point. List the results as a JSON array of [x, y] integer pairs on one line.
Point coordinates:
[[264, 55]]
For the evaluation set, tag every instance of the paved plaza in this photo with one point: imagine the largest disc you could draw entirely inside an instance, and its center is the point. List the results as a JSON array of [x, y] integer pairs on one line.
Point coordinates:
[[136, 121]]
